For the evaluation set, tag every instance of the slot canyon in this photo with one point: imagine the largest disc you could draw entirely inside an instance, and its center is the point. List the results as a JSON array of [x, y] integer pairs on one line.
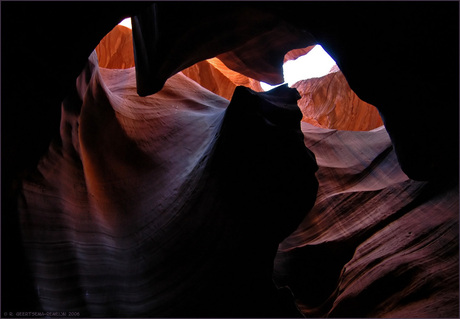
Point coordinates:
[[146, 173]]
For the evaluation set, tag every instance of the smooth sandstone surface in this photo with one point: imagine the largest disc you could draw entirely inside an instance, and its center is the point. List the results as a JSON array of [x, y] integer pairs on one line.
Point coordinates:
[[215, 76], [115, 51], [329, 102], [294, 54], [118, 201], [166, 206], [326, 102], [377, 243]]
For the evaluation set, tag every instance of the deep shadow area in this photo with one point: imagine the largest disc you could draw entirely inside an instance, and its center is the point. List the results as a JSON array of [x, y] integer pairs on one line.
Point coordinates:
[[45, 45]]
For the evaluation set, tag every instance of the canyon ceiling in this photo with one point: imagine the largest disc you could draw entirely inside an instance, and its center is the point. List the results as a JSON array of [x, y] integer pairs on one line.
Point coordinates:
[[146, 174]]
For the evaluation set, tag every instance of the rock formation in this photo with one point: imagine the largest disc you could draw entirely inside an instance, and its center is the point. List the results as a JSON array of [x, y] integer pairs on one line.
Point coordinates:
[[182, 196], [294, 54], [326, 102], [230, 35], [355, 48], [215, 76], [376, 244], [116, 191], [329, 102], [378, 57], [115, 51]]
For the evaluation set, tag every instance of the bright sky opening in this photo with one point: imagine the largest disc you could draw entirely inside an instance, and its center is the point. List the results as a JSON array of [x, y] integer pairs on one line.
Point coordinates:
[[314, 64], [126, 22]]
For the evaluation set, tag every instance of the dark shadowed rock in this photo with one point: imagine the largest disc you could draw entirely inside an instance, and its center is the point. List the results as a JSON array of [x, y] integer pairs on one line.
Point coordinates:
[[113, 215], [166, 206]]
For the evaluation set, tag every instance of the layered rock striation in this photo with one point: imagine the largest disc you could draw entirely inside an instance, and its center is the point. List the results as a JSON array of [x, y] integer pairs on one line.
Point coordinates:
[[329, 102], [181, 203], [115, 51], [326, 102], [215, 76], [166, 206], [376, 244]]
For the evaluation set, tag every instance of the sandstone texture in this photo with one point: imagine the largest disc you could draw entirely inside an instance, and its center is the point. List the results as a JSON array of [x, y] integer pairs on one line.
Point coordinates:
[[215, 76], [329, 102], [191, 179], [250, 41], [175, 203], [139, 192], [294, 54], [115, 51], [376, 244]]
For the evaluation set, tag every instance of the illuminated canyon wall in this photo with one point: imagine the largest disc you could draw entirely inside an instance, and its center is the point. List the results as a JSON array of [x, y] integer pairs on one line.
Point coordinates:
[[211, 198], [326, 102]]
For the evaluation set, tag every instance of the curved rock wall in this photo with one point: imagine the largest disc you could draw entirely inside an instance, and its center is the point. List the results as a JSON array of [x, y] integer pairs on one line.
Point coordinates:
[[251, 41], [166, 206], [294, 54], [141, 204], [329, 102], [215, 76], [115, 51], [376, 244], [326, 102]]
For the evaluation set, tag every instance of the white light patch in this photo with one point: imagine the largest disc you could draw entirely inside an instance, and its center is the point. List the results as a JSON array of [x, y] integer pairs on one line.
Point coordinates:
[[126, 22], [314, 64], [268, 87]]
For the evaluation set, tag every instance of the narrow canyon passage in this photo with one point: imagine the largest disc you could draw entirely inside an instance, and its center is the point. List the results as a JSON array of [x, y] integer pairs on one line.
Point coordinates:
[[173, 186]]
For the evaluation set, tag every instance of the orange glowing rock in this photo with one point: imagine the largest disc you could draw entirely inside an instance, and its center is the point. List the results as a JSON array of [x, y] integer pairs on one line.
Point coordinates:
[[213, 75], [139, 208], [326, 102], [329, 102], [115, 51]]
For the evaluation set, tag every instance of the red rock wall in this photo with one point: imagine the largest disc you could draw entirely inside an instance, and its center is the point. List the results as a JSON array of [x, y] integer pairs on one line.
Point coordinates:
[[115, 51], [294, 54], [252, 42], [111, 224], [151, 206], [326, 102], [329, 102], [215, 76], [376, 244], [116, 150]]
